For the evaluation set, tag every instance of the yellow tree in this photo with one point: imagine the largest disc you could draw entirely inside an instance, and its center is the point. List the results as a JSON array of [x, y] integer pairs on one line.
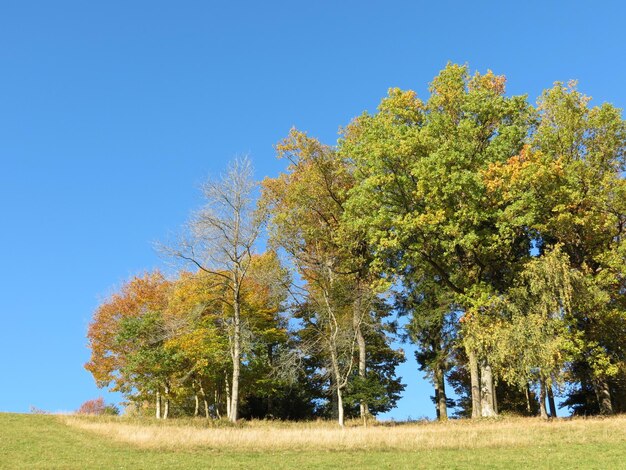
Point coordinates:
[[196, 330]]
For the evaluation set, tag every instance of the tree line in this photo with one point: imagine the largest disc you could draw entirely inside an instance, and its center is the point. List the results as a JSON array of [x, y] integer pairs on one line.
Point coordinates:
[[487, 231]]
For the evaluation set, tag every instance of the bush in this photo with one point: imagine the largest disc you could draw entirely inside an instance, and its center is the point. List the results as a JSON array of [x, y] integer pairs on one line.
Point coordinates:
[[97, 407], [111, 410]]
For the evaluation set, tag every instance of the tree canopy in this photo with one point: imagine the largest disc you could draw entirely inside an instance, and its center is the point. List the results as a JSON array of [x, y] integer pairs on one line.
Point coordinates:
[[485, 230]]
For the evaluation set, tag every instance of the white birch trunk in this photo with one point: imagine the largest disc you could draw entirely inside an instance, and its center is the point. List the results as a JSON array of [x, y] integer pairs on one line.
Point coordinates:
[[486, 391], [158, 405], [363, 408], [166, 411], [234, 397], [227, 387]]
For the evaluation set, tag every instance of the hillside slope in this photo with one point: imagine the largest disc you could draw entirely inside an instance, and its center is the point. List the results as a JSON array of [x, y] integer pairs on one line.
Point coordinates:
[[45, 442]]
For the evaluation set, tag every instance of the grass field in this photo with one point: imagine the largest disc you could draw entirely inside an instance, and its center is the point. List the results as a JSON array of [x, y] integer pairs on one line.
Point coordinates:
[[42, 441]]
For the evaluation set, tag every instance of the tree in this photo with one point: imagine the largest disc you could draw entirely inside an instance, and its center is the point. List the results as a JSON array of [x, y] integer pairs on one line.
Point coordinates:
[[380, 388], [110, 362], [532, 335], [432, 328], [198, 332], [420, 195], [306, 207], [264, 297], [148, 364], [567, 188], [220, 242]]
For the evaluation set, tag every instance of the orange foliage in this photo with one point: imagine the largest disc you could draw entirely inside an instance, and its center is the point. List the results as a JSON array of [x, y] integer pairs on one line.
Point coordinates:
[[139, 295], [92, 407]]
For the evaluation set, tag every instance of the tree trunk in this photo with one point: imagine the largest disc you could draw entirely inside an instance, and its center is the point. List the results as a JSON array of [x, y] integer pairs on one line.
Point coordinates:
[[551, 402], [196, 410], [166, 412], [440, 394], [335, 365], [206, 403], [527, 390], [227, 387], [486, 390], [158, 405], [270, 398], [363, 408], [437, 410], [542, 399], [494, 396], [234, 397], [340, 407], [216, 403], [473, 365], [603, 393]]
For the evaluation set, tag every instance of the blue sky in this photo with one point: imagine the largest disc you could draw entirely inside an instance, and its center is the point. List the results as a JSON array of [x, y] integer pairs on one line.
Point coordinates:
[[112, 113]]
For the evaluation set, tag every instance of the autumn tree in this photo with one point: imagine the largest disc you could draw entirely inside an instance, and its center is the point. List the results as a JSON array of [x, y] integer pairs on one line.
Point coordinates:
[[97, 407], [306, 207], [264, 295], [533, 338], [220, 241], [110, 362], [198, 332]]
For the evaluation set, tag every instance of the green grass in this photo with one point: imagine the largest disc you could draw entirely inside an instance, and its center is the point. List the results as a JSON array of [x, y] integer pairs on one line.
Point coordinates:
[[39, 441]]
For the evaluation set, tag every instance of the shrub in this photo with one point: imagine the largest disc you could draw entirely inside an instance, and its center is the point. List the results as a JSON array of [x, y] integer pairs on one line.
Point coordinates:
[[97, 407], [111, 410]]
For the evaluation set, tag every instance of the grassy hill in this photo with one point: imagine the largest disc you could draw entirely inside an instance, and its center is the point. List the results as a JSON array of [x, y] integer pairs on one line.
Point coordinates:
[[42, 441]]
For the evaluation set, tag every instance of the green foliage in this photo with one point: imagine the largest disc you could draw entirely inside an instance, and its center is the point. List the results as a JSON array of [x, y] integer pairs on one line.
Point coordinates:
[[533, 335], [148, 363], [421, 197]]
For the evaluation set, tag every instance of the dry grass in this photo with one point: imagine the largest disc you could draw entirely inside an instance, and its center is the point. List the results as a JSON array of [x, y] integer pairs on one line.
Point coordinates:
[[264, 436]]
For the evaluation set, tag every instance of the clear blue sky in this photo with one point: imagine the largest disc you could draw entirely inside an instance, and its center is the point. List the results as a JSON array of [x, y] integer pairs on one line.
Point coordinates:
[[112, 113]]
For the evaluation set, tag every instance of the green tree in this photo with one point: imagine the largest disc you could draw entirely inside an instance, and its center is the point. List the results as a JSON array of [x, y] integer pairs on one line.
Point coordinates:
[[567, 188], [534, 338], [420, 194], [149, 365]]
